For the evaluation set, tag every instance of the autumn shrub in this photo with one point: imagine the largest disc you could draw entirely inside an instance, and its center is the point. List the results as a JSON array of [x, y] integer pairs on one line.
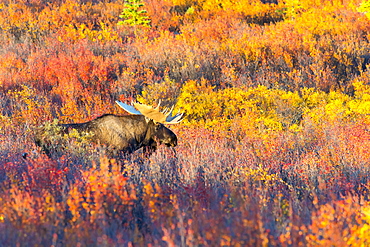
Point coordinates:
[[33, 20], [175, 192], [181, 62], [55, 141], [255, 108], [272, 151], [359, 230], [166, 92]]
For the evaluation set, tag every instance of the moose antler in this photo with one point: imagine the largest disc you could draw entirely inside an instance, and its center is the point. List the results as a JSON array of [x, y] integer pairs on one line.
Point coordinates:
[[164, 117]]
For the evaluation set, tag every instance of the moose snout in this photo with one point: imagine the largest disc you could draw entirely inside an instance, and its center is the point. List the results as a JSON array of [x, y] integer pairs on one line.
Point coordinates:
[[170, 142]]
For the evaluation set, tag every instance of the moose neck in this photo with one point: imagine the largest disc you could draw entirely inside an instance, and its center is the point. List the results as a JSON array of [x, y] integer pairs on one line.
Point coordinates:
[[148, 136], [142, 129]]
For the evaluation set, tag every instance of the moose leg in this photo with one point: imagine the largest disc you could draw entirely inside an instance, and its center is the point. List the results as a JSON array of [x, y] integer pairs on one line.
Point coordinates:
[[149, 149]]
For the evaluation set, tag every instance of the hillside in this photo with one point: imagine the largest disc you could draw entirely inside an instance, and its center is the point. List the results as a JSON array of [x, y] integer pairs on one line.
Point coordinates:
[[273, 149]]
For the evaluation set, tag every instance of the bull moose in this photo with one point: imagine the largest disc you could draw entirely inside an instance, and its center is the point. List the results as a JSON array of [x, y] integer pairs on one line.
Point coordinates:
[[144, 128]]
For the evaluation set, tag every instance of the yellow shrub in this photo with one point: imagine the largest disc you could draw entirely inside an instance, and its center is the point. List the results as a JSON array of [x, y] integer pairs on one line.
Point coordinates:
[[359, 106], [181, 2], [260, 110], [30, 107], [196, 100], [165, 91], [255, 109], [104, 34], [361, 89], [365, 8], [322, 107], [259, 174], [360, 235]]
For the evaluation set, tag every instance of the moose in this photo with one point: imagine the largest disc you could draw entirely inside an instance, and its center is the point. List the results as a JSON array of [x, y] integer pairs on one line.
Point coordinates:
[[144, 128]]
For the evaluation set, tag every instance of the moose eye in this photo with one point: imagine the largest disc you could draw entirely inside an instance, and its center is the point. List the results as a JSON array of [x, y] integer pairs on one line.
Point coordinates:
[[157, 127]]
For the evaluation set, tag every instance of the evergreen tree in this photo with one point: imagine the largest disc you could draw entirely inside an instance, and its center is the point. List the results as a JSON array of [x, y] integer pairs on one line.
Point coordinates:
[[134, 15]]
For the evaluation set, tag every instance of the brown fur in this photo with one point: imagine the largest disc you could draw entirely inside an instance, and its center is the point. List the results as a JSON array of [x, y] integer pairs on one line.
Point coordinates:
[[121, 133]]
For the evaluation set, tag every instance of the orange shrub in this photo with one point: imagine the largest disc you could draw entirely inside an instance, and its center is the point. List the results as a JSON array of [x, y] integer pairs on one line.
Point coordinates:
[[273, 149]]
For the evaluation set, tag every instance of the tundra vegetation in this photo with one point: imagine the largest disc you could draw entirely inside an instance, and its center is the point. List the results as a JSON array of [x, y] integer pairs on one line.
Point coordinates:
[[273, 149]]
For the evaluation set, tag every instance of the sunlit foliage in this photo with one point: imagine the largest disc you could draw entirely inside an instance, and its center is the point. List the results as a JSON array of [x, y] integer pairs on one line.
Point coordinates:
[[134, 14], [273, 149]]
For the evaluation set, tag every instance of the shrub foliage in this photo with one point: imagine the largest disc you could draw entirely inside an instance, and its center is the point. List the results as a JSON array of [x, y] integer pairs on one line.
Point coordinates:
[[273, 149]]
